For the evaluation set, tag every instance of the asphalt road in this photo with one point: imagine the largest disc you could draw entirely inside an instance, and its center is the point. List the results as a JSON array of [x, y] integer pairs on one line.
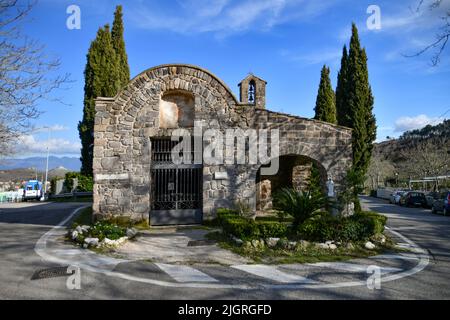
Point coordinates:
[[21, 226]]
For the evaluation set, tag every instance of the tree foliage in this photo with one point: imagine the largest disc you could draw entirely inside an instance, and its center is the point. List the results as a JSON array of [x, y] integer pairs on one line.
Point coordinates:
[[342, 114], [425, 159], [416, 153], [325, 109], [118, 43], [106, 72], [356, 102], [441, 130]]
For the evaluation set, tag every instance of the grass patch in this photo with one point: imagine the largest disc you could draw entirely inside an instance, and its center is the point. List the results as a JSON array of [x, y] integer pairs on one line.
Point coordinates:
[[310, 254]]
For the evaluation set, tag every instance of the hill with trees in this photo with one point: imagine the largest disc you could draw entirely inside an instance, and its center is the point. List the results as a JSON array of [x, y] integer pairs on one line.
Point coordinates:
[[415, 154]]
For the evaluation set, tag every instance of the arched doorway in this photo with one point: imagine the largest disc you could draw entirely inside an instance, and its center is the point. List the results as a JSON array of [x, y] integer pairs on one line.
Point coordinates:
[[294, 172]]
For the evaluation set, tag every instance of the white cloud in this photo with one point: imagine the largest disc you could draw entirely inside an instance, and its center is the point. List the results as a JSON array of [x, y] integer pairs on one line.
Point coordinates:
[[410, 18], [225, 17], [417, 122], [55, 127], [28, 144]]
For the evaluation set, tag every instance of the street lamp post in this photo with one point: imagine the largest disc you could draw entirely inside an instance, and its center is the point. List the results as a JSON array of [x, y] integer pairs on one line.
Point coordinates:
[[46, 165]]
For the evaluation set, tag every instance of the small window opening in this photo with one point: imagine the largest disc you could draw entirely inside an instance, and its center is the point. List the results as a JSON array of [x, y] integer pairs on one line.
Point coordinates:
[[251, 91]]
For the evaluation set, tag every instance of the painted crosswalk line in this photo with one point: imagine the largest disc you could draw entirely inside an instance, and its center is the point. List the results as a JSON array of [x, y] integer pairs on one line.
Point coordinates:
[[272, 273], [185, 273]]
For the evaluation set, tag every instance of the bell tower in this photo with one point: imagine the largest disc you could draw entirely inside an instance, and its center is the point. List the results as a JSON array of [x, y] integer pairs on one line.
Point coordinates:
[[252, 91]]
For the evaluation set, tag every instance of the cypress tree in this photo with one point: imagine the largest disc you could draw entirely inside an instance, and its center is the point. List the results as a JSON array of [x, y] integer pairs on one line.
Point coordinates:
[[325, 109], [101, 80], [354, 104], [359, 101], [342, 113], [119, 46]]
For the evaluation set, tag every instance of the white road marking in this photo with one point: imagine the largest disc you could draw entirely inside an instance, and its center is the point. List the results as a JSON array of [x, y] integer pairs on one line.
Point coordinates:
[[351, 267], [77, 256], [410, 247], [396, 256], [272, 273], [41, 244], [182, 273]]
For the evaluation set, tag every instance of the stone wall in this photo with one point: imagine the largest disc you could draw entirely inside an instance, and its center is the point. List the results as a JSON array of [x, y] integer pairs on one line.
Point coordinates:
[[125, 124]]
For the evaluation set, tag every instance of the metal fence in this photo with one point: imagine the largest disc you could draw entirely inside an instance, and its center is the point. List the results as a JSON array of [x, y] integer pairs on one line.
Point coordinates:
[[11, 196], [15, 196]]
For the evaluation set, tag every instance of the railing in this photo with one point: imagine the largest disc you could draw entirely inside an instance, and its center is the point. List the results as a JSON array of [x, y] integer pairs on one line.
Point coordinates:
[[14, 196], [11, 196]]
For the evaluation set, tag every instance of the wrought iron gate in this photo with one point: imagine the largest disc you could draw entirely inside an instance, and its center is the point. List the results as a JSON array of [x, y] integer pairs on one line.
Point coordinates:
[[176, 189]]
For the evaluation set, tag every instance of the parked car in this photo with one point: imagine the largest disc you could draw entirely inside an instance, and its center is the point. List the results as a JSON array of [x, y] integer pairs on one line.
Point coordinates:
[[431, 197], [442, 204], [413, 198], [395, 197]]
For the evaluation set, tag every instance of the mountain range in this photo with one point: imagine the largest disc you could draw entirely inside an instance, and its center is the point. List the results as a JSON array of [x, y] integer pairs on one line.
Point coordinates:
[[70, 163]]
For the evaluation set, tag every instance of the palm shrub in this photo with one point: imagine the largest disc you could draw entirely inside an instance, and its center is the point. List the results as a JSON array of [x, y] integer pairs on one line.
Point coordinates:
[[300, 205]]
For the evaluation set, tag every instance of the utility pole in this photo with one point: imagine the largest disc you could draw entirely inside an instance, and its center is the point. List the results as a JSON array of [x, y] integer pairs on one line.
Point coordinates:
[[46, 166]]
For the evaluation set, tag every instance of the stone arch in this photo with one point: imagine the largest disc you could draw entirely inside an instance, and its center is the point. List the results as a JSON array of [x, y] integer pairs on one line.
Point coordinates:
[[294, 172], [128, 121]]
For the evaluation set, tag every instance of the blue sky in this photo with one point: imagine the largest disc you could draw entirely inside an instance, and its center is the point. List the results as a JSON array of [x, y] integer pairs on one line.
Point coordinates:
[[285, 42]]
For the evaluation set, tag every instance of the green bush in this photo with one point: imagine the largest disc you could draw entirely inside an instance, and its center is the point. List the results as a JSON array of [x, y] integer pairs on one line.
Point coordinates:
[[247, 229], [271, 229], [102, 230], [240, 227], [321, 227], [53, 184], [85, 183], [349, 230], [298, 204], [359, 227], [226, 211], [374, 223]]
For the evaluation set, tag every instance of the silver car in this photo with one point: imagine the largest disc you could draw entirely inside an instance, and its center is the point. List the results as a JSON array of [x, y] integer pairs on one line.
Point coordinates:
[[395, 197]]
